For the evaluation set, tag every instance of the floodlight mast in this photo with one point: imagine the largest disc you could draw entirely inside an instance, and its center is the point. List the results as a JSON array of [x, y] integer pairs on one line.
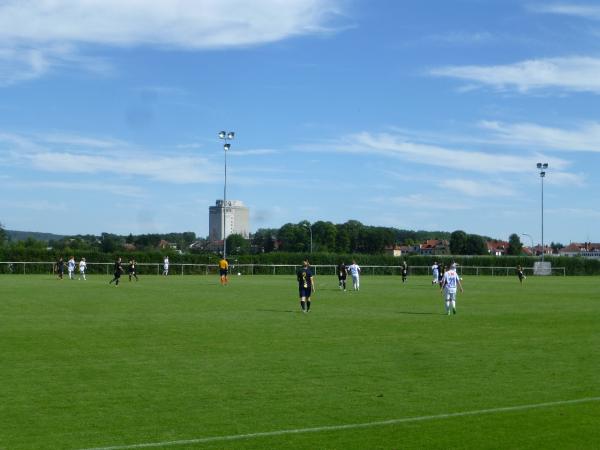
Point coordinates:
[[542, 168], [226, 136]]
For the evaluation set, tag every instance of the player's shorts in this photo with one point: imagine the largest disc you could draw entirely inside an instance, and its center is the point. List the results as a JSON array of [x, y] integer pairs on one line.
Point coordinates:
[[305, 291], [223, 272], [341, 277], [450, 296], [117, 274]]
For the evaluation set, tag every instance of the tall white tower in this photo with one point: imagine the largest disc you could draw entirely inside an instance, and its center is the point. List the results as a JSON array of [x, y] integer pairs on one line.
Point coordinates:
[[236, 219]]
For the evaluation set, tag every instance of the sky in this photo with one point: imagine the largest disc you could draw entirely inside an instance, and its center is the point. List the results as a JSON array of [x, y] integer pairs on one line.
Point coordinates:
[[414, 114]]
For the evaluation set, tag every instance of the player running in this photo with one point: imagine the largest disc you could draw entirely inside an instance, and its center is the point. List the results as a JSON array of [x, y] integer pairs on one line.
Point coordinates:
[[223, 271], [131, 270], [450, 282], [117, 273], [520, 274]]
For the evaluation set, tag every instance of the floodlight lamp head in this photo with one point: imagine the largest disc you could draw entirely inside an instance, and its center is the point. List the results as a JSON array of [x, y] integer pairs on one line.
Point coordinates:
[[545, 166], [226, 147], [539, 165], [222, 134], [542, 174], [230, 135]]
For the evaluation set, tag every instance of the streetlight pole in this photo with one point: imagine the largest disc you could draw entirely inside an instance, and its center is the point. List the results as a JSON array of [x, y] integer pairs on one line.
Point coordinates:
[[530, 238], [226, 136], [542, 168], [309, 226]]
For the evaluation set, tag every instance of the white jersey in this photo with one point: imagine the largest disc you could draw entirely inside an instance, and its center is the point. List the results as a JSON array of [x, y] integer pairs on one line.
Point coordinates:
[[82, 266], [166, 263], [450, 281], [71, 265], [354, 270], [435, 270]]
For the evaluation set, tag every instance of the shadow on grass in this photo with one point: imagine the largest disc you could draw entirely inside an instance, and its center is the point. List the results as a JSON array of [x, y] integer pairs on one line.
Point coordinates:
[[421, 313]]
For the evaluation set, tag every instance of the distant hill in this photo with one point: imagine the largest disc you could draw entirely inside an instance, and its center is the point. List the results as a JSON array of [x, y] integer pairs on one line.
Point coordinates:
[[15, 236]]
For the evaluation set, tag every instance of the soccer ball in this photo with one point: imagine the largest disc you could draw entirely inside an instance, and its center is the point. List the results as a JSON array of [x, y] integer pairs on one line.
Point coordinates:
[[239, 273]]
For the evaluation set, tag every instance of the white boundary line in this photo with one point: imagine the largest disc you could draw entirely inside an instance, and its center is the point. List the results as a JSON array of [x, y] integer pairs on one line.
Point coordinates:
[[353, 426]]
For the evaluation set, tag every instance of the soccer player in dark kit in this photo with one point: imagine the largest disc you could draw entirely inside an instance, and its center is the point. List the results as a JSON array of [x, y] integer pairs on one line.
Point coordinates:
[[131, 270], [118, 272], [342, 273], [306, 286]]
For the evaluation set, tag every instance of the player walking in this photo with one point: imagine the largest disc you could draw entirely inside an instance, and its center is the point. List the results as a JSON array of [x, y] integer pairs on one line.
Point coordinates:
[[60, 268], [404, 269], [166, 266], [71, 267], [435, 272], [342, 273], [450, 282], [82, 267], [354, 270], [306, 286]]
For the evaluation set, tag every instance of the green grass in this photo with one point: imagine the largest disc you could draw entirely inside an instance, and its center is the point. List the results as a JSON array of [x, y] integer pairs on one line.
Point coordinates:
[[85, 364]]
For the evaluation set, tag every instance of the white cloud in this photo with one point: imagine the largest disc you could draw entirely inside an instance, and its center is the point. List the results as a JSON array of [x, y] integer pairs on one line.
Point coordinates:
[[434, 155], [569, 9], [66, 153], [572, 74], [194, 24], [39, 36], [584, 138], [474, 188]]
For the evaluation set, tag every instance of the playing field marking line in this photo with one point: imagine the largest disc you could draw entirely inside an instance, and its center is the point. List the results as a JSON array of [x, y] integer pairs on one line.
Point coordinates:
[[352, 426]]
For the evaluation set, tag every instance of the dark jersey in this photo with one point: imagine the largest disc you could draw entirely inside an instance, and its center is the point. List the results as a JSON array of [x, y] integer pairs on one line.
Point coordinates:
[[131, 268], [118, 268], [342, 271], [304, 277]]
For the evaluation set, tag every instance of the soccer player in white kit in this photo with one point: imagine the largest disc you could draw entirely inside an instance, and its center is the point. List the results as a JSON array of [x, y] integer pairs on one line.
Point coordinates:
[[82, 267], [354, 270], [450, 283], [435, 271], [71, 267], [166, 266]]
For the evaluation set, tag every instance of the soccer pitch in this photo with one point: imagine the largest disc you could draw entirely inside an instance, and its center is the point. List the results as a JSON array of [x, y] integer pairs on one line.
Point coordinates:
[[182, 362]]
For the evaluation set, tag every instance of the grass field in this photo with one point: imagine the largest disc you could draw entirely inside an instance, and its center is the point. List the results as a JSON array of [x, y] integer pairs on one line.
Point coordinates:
[[182, 362]]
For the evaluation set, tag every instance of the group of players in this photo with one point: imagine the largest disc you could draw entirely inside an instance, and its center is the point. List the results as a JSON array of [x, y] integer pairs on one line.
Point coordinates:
[[448, 280], [59, 267]]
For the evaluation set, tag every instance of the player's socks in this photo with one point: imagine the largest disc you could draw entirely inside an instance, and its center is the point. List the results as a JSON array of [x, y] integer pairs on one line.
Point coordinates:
[[308, 306], [302, 306]]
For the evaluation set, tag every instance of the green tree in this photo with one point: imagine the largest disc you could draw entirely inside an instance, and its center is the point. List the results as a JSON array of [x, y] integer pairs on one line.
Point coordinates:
[[475, 245], [324, 236], [515, 246], [237, 244], [458, 242], [264, 239], [2, 235]]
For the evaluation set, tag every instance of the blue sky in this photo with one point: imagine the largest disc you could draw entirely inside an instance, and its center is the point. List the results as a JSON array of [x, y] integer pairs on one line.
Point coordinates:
[[414, 114]]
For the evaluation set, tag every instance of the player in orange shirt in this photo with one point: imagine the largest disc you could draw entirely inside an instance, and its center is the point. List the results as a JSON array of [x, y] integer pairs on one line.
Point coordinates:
[[223, 269]]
